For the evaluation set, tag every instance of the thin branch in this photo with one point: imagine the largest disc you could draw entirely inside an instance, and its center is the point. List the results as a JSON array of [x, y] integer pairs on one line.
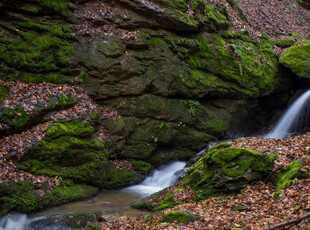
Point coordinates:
[[289, 222]]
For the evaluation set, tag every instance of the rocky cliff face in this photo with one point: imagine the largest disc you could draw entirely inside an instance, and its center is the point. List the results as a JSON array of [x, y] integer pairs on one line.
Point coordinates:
[[175, 72]]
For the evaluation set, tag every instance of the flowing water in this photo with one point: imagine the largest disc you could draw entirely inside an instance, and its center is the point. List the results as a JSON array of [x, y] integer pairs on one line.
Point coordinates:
[[163, 177], [117, 203], [294, 120]]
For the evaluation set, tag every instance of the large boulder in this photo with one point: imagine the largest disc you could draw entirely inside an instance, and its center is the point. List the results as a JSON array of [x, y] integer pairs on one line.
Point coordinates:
[[224, 170], [70, 150], [297, 59]]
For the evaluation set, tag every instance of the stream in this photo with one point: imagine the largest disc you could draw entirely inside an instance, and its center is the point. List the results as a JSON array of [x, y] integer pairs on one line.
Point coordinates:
[[112, 202]]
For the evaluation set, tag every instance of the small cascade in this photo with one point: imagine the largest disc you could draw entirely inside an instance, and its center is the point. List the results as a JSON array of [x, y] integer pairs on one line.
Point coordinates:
[[162, 177], [294, 120], [14, 221]]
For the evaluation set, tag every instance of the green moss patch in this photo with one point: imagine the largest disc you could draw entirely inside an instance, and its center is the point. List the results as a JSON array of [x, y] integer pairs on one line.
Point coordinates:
[[253, 67], [179, 216], [38, 52], [284, 43], [289, 175], [142, 205], [15, 118], [141, 166], [60, 7], [4, 91], [297, 59]]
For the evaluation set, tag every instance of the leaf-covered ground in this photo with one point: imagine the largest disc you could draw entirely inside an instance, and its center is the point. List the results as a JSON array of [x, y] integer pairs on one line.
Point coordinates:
[[261, 209]]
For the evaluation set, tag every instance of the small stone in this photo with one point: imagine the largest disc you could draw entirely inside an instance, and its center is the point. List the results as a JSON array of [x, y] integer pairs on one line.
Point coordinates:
[[241, 208]]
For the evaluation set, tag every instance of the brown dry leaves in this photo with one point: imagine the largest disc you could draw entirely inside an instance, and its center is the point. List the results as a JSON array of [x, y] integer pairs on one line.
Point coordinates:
[[289, 149], [123, 164]]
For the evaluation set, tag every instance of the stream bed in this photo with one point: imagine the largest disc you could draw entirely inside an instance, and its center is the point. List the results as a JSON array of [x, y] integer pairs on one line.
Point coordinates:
[[113, 202]]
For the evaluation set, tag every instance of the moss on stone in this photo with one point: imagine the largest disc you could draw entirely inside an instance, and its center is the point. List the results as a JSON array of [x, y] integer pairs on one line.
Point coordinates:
[[74, 128], [239, 63], [284, 43], [60, 7], [179, 216], [15, 118], [40, 54], [167, 202], [70, 150], [297, 59], [142, 205], [198, 6], [227, 170], [180, 5], [222, 145], [290, 174], [22, 196], [295, 35], [141, 166], [112, 47]]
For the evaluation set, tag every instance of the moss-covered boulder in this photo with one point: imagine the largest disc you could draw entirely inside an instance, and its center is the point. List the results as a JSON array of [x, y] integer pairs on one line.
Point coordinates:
[[297, 59], [71, 150], [179, 216], [227, 170], [69, 221], [24, 197]]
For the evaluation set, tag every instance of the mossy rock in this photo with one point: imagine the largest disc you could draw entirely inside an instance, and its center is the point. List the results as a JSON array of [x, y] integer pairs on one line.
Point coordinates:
[[15, 118], [68, 221], [142, 205], [297, 59], [226, 170], [141, 166], [37, 50], [183, 217], [237, 64], [290, 174], [70, 150], [166, 202], [284, 43], [22, 196], [112, 47]]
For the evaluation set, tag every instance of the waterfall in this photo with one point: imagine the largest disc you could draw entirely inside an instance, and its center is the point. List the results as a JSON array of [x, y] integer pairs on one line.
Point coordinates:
[[162, 177], [294, 119]]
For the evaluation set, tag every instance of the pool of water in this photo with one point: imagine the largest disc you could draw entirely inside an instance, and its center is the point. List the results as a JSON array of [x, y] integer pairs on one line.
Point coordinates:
[[116, 203]]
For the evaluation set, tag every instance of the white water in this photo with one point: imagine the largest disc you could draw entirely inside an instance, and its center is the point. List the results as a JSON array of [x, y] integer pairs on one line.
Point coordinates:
[[14, 221], [290, 117], [162, 177]]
